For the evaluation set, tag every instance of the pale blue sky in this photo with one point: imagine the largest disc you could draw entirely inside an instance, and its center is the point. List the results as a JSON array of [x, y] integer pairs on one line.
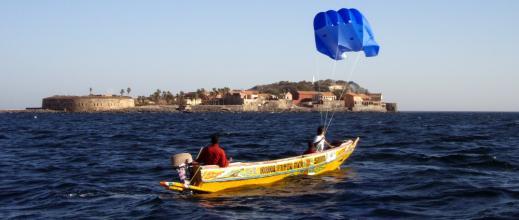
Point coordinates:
[[435, 55]]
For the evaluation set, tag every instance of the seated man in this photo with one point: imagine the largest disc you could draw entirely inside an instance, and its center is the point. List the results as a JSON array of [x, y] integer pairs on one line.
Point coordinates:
[[213, 154], [320, 140], [311, 148]]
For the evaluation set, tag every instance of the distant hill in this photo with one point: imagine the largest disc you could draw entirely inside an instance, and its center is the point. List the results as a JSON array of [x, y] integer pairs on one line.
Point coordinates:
[[282, 87]]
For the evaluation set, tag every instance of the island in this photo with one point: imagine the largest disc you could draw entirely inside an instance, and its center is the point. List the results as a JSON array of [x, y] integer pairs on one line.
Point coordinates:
[[283, 96]]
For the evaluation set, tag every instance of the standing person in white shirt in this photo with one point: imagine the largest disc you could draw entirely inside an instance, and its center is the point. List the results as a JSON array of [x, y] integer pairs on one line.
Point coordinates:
[[320, 140]]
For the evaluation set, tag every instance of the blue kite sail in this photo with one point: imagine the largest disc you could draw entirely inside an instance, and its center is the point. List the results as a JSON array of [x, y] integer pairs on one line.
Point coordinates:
[[346, 30]]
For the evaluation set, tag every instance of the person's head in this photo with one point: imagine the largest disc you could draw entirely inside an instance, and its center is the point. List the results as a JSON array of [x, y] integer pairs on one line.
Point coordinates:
[[214, 139], [320, 130]]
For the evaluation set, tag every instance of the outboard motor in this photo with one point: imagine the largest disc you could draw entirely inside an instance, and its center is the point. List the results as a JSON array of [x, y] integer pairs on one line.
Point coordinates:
[[181, 163]]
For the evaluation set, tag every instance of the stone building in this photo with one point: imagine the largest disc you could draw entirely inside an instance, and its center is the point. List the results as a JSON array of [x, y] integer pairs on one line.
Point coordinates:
[[336, 87], [311, 97], [193, 101], [90, 103], [391, 107], [287, 96], [276, 105], [194, 98], [300, 97], [325, 96], [241, 97], [359, 102]]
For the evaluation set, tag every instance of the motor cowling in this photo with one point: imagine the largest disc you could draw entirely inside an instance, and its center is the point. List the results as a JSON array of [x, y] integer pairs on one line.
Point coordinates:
[[181, 159]]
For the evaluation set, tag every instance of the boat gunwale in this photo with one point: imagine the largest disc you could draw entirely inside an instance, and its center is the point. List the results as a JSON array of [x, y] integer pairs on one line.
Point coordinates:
[[247, 164]]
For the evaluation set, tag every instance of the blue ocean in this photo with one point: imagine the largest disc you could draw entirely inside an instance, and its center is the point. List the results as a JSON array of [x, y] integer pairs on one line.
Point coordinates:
[[412, 165]]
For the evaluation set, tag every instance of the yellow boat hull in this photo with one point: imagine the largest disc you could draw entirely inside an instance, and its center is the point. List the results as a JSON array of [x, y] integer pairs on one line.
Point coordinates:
[[211, 179]]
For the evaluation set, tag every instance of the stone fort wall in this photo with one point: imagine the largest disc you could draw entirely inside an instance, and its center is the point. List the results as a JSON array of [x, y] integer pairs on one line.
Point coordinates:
[[87, 103]]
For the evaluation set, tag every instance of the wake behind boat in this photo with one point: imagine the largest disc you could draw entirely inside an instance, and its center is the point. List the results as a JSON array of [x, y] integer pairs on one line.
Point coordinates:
[[212, 178]]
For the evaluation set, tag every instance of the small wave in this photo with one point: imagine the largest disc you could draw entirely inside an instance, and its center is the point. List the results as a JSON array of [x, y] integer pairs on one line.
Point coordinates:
[[176, 141], [46, 169], [411, 142], [392, 213], [65, 185], [469, 138], [48, 145], [122, 136], [229, 134], [484, 192], [476, 150], [77, 159], [80, 195], [42, 136], [427, 172], [390, 130], [474, 160], [428, 185], [385, 156], [42, 132], [81, 192], [252, 146], [150, 200], [130, 137], [70, 136], [493, 164], [9, 195]]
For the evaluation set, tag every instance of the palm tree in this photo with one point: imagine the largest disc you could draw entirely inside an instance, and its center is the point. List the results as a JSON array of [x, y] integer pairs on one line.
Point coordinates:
[[181, 100], [226, 90], [90, 90], [156, 95], [200, 93], [122, 92], [169, 98], [164, 93], [128, 90]]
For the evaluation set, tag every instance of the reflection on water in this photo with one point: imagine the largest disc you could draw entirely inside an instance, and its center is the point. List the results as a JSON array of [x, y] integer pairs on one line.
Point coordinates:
[[289, 187]]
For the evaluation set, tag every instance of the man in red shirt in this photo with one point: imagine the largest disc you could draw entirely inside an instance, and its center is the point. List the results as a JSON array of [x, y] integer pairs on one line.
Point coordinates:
[[213, 154]]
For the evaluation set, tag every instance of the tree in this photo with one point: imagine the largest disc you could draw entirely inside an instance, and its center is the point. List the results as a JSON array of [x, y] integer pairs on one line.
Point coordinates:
[[122, 92], [340, 82], [170, 98], [338, 94], [141, 100], [181, 99], [164, 94], [90, 90], [201, 94], [128, 90], [156, 96], [226, 90]]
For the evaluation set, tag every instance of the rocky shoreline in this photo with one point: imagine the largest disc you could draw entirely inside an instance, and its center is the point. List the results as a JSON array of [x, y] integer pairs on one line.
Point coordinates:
[[175, 109]]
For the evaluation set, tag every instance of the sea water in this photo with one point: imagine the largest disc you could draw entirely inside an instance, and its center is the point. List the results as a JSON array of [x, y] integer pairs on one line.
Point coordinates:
[[407, 165]]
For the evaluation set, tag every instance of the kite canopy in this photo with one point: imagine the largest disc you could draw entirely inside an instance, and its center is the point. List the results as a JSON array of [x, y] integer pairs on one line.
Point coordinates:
[[346, 30]]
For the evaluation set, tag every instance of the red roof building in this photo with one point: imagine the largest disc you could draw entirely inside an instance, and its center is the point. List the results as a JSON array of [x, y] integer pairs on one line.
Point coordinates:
[[311, 96]]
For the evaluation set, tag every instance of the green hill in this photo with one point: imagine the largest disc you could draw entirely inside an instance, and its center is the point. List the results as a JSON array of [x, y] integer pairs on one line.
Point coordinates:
[[282, 87]]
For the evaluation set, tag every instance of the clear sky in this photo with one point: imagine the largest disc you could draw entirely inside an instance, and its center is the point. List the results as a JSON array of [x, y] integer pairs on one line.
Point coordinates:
[[435, 55]]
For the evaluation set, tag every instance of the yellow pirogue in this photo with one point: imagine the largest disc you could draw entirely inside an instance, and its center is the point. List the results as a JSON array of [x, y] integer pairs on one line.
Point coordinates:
[[211, 178]]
